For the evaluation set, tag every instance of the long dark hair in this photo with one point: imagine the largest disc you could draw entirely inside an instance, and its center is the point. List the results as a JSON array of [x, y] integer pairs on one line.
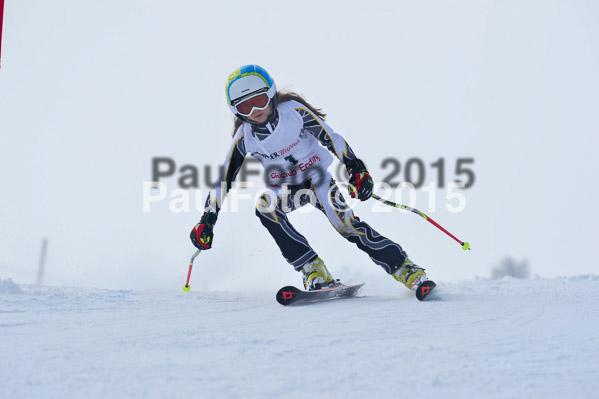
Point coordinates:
[[282, 97]]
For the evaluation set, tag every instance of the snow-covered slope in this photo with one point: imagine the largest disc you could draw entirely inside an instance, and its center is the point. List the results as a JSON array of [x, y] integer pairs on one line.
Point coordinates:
[[506, 338]]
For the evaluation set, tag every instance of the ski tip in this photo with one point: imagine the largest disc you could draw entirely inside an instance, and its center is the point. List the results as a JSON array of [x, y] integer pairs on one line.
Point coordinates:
[[425, 289], [285, 295]]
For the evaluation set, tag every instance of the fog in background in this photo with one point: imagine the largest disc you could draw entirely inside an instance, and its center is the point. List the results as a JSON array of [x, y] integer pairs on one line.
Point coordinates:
[[91, 91]]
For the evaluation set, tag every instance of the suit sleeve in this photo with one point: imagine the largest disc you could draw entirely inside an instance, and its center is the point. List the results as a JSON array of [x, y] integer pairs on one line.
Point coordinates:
[[231, 166], [330, 139]]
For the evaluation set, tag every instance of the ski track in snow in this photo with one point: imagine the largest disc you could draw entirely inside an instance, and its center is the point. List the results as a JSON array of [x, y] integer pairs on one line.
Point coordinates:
[[505, 338]]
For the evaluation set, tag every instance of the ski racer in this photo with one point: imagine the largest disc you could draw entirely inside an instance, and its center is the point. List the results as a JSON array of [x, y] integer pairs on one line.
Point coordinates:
[[295, 146]]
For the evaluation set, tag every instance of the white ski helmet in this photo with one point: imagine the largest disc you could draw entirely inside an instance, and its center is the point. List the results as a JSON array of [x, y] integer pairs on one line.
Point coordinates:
[[247, 81]]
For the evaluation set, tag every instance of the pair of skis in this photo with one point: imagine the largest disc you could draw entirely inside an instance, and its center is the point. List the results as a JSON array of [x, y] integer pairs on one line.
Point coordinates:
[[290, 295], [294, 296]]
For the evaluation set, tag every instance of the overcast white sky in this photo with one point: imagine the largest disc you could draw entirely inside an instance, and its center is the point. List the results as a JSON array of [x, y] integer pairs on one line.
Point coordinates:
[[90, 91]]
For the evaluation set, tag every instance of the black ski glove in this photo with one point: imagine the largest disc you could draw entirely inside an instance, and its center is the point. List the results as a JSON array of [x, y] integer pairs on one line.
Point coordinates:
[[360, 181], [202, 235]]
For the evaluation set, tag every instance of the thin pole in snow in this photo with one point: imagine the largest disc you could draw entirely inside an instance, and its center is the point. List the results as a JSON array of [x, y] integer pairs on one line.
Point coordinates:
[[40, 270]]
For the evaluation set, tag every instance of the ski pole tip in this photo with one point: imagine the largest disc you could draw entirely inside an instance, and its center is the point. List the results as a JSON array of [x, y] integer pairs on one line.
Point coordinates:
[[465, 246], [186, 288]]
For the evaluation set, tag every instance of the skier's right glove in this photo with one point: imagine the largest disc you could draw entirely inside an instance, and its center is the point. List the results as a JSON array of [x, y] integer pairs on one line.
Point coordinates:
[[202, 235]]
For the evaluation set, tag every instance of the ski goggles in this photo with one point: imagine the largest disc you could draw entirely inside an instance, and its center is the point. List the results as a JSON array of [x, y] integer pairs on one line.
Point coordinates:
[[258, 101]]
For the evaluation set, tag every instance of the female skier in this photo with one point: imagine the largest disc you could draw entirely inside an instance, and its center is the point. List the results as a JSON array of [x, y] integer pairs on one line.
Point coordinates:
[[290, 138]]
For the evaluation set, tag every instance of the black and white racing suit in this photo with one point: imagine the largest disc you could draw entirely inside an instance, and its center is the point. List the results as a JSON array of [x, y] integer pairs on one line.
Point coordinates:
[[295, 149]]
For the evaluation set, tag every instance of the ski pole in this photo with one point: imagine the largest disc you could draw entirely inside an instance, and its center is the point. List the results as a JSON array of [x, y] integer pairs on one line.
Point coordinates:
[[186, 287], [465, 245]]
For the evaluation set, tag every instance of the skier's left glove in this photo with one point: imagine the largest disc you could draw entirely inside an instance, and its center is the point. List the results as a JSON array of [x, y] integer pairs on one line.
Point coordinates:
[[360, 181], [202, 235]]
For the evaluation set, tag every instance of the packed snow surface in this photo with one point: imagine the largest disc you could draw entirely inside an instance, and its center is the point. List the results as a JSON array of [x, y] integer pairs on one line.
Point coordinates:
[[507, 338]]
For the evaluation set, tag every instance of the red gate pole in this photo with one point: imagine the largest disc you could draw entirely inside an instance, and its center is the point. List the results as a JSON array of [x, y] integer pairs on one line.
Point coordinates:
[[1, 20]]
